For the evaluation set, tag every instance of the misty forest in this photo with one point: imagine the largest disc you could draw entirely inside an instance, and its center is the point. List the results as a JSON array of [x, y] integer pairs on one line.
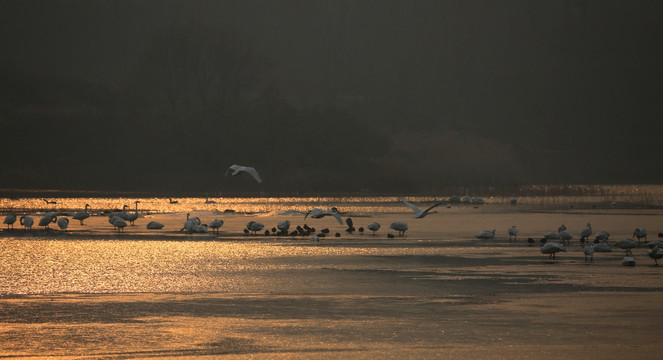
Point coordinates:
[[329, 96]]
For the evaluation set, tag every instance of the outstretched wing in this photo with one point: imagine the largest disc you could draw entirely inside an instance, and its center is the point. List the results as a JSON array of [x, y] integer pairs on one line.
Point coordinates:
[[411, 206], [253, 173], [435, 205], [338, 217]]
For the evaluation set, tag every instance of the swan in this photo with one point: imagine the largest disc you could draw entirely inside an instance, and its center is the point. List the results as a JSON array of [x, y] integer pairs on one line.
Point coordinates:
[[626, 244], [485, 235], [373, 227], [173, 201], [50, 202], [208, 201], [565, 235], [655, 253], [418, 213], [585, 233], [10, 219], [63, 223], [602, 236], [513, 201], [154, 225], [551, 249], [561, 228], [399, 226], [283, 227], [552, 235], [513, 231], [254, 226], [82, 215], [215, 225], [588, 250], [47, 219], [236, 169], [190, 223], [640, 233], [319, 213], [628, 261], [27, 221], [118, 222], [131, 217], [655, 243], [602, 247]]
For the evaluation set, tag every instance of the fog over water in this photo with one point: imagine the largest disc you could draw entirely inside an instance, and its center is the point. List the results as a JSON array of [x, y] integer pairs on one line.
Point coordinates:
[[334, 96]]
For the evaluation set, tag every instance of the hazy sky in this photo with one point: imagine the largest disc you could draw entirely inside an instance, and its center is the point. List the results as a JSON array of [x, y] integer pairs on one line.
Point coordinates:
[[571, 88]]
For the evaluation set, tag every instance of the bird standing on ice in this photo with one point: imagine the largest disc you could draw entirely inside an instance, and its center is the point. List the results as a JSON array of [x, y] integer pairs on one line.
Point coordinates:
[[513, 231], [551, 249], [10, 219], [585, 233], [399, 226], [82, 215]]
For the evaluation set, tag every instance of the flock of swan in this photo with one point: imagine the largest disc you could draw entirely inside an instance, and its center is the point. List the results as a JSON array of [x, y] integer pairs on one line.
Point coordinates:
[[551, 243]]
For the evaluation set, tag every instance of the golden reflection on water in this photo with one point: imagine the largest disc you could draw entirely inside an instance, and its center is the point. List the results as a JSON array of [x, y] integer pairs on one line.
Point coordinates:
[[128, 266]]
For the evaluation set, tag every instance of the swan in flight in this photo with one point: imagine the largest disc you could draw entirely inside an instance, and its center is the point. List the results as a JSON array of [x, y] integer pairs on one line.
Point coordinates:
[[418, 213], [10, 219], [82, 215], [236, 169], [27, 221], [319, 213]]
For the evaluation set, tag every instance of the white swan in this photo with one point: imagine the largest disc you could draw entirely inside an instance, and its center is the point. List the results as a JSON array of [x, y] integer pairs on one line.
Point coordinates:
[[373, 227], [170, 200], [47, 219], [602, 236], [319, 213], [208, 201], [627, 245], [190, 223], [655, 253], [588, 250], [485, 235], [399, 226], [551, 249], [254, 226], [565, 235], [236, 169], [131, 217], [82, 215], [27, 221], [418, 213], [118, 222], [63, 223], [10, 219], [215, 225], [585, 233], [513, 231], [640, 233], [154, 225]]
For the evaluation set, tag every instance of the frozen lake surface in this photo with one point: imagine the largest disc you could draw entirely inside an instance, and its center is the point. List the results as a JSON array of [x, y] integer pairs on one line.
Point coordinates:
[[437, 292]]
